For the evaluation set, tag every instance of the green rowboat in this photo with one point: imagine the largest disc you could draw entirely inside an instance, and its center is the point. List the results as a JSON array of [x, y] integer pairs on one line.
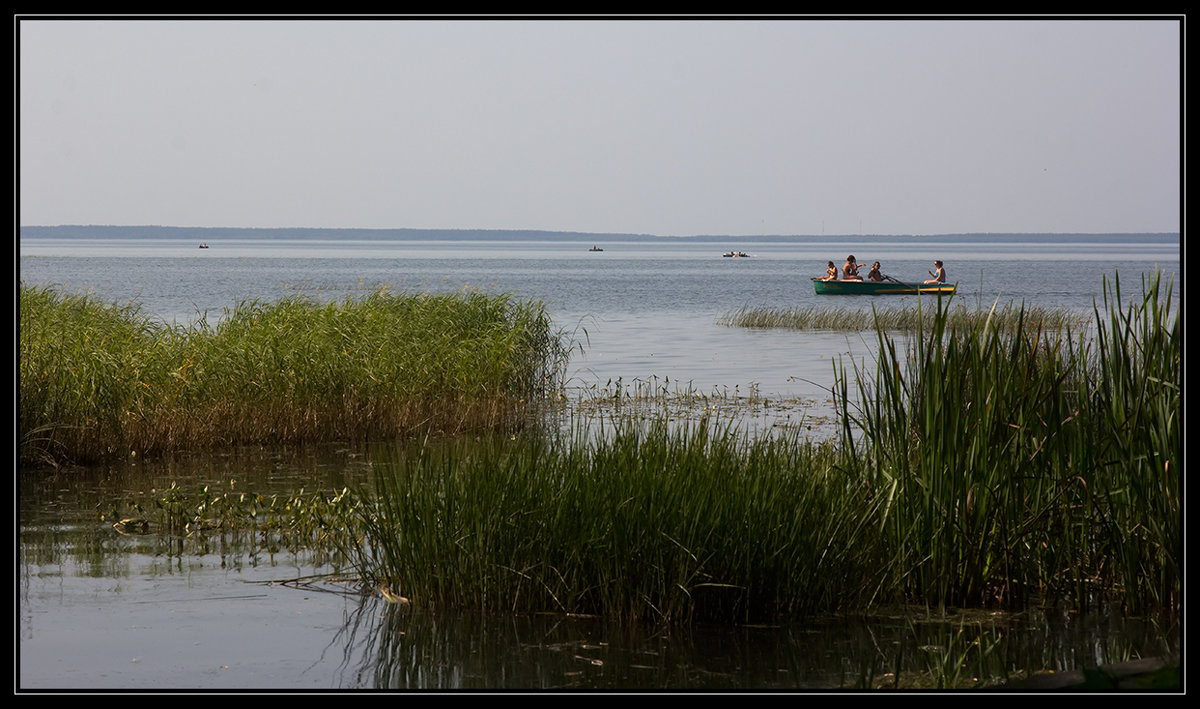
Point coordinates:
[[881, 288]]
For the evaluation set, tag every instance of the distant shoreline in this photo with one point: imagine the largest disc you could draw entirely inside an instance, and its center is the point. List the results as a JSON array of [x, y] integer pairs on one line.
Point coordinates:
[[407, 234]]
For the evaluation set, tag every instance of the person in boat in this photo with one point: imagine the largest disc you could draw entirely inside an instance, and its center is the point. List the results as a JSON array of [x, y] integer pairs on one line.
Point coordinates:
[[830, 273], [939, 276], [850, 270], [874, 273]]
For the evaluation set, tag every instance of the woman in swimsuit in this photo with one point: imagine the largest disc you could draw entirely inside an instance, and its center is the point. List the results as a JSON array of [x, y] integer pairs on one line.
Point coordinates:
[[850, 270], [940, 276]]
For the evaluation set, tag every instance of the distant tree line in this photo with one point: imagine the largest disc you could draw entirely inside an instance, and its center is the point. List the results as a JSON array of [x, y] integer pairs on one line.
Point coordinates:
[[206, 234]]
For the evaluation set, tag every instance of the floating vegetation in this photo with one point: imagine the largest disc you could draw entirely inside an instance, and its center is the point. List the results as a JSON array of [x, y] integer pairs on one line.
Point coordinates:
[[652, 398], [241, 523]]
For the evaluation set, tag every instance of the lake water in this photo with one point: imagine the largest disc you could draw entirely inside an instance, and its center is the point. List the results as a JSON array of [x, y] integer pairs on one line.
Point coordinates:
[[98, 610], [643, 309]]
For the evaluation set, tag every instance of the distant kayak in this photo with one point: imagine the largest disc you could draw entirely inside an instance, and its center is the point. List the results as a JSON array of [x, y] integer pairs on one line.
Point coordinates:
[[880, 288], [595, 248], [736, 254]]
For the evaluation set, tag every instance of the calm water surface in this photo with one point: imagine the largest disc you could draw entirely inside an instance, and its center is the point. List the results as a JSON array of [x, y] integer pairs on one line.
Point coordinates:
[[642, 310], [101, 610]]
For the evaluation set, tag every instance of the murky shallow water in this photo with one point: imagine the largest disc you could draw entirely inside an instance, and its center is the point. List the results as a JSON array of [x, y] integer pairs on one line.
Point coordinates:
[[245, 635]]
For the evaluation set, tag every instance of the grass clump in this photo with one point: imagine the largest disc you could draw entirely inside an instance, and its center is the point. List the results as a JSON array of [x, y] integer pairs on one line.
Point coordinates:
[[99, 379], [1030, 464], [647, 522], [904, 319], [84, 370]]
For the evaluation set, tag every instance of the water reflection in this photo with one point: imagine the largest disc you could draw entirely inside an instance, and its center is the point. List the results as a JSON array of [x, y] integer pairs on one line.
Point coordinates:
[[390, 646]]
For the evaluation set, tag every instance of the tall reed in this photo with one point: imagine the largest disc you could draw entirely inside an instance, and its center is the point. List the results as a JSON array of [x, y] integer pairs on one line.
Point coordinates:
[[84, 369], [101, 379], [1136, 417], [648, 522], [1021, 463]]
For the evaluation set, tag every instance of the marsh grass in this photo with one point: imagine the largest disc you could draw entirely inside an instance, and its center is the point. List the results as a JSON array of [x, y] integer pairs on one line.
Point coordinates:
[[981, 467], [1135, 416], [100, 379], [648, 522], [1022, 462], [984, 467], [907, 319], [83, 366]]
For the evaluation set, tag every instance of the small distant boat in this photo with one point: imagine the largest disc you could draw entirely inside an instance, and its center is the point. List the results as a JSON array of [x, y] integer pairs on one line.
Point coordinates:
[[736, 254], [892, 287], [595, 248], [204, 246]]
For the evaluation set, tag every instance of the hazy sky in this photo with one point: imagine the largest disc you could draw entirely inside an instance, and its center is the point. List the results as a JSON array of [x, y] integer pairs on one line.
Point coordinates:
[[661, 127]]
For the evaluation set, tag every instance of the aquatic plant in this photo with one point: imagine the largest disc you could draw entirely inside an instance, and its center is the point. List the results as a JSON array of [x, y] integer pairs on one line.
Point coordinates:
[[238, 524], [1135, 417], [672, 402], [907, 319], [977, 469], [98, 380], [1021, 463], [980, 467], [84, 367], [646, 521]]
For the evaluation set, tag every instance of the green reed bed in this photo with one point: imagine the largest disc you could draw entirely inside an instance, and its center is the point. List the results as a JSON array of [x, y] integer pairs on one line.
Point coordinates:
[[1136, 411], [983, 467], [1027, 463], [84, 366], [646, 521], [909, 318], [99, 379]]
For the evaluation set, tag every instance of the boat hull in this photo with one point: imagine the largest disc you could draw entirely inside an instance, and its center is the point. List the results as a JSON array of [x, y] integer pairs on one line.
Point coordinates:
[[881, 288]]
